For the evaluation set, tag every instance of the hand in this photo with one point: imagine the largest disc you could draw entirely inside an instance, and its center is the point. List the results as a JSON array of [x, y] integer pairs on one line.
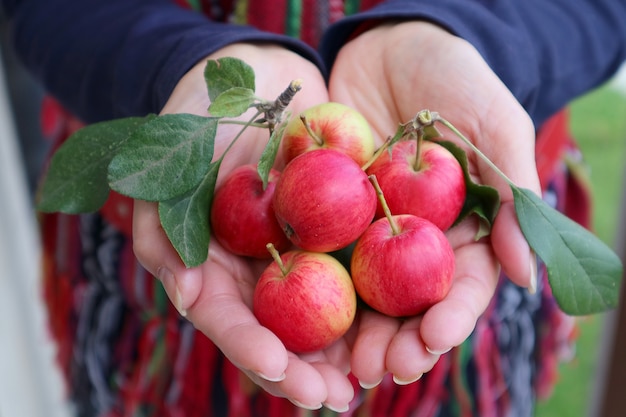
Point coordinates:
[[217, 296], [428, 68]]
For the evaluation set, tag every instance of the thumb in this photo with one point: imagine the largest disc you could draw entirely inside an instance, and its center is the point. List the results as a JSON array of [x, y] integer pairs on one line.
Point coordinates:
[[208, 297], [156, 254], [510, 145]]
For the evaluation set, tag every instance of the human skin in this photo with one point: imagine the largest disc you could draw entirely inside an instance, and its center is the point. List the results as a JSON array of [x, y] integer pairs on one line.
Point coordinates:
[[217, 295], [476, 102]]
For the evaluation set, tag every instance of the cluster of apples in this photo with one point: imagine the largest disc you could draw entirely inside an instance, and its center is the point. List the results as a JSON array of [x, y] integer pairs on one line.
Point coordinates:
[[392, 214]]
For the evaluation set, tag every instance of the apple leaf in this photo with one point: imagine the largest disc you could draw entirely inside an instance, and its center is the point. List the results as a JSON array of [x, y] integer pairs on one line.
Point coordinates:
[[76, 180], [431, 132], [164, 158], [225, 73], [397, 136], [482, 200], [266, 161], [232, 102], [185, 220], [583, 272]]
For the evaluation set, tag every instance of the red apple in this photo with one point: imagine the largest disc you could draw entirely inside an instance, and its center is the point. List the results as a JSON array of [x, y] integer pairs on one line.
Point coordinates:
[[331, 125], [430, 185], [242, 217], [323, 200], [401, 271], [307, 299]]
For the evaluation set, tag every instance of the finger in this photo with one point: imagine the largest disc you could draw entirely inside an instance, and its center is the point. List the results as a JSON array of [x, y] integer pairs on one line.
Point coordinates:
[[449, 322], [510, 246], [155, 253], [407, 358], [302, 384], [338, 354], [339, 389], [370, 347]]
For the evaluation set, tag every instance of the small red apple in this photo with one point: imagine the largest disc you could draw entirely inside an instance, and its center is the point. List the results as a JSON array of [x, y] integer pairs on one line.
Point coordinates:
[[429, 185], [242, 217], [307, 299], [330, 125], [323, 200], [405, 272], [402, 264]]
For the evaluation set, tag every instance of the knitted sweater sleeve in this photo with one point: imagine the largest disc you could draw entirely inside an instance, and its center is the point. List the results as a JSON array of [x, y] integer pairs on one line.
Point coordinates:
[[117, 58], [546, 52]]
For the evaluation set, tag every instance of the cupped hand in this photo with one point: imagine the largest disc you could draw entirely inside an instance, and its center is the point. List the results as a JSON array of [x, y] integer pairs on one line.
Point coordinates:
[[390, 73], [217, 296]]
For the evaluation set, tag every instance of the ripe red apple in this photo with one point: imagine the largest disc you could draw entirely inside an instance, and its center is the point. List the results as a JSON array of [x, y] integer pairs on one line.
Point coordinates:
[[242, 217], [401, 271], [430, 185], [330, 125], [323, 200], [307, 299]]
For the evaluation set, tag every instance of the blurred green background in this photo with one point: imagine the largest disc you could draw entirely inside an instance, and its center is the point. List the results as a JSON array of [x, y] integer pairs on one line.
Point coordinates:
[[598, 122]]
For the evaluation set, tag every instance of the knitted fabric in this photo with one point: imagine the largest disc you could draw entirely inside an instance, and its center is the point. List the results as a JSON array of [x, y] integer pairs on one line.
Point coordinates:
[[125, 351]]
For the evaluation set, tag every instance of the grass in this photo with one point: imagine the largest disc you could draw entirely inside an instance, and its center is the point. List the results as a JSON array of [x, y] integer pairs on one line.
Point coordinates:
[[598, 123]]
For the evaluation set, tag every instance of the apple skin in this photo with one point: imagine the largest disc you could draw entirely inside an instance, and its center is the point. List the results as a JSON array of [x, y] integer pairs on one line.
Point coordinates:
[[436, 191], [402, 275], [242, 216], [340, 127], [323, 200], [310, 306]]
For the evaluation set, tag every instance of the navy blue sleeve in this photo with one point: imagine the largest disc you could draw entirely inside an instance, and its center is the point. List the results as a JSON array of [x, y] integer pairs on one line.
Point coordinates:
[[115, 58], [118, 58], [546, 52]]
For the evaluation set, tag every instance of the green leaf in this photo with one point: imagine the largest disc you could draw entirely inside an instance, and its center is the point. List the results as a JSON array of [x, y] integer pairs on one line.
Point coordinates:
[[397, 136], [232, 102], [583, 272], [185, 220], [431, 132], [76, 181], [482, 200], [225, 73], [266, 161], [164, 158]]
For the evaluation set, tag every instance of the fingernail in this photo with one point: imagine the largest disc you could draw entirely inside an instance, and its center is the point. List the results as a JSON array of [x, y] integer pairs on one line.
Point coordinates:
[[365, 385], [400, 381], [179, 302], [532, 287], [306, 407], [169, 283], [337, 409], [437, 352], [267, 378]]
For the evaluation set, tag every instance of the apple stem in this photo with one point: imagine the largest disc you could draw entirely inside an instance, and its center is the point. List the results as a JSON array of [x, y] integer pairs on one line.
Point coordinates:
[[418, 151], [307, 126], [475, 149], [383, 203], [232, 142], [273, 110], [272, 250], [377, 153]]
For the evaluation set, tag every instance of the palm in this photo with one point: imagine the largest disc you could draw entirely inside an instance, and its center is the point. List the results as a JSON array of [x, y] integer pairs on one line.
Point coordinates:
[[427, 68]]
